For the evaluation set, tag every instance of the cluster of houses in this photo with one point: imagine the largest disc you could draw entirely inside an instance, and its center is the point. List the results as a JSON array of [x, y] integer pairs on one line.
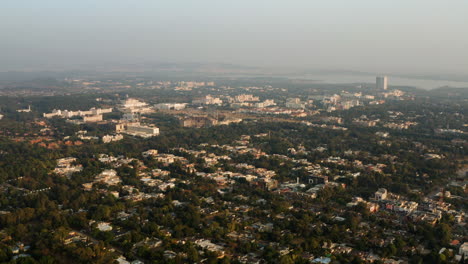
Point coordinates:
[[67, 166], [428, 210], [157, 181]]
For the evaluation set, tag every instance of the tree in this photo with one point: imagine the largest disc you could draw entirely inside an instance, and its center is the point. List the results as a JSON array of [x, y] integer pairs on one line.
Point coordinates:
[[444, 233]]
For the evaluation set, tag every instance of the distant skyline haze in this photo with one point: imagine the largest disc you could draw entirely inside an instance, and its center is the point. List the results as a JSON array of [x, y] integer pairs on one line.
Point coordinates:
[[363, 35]]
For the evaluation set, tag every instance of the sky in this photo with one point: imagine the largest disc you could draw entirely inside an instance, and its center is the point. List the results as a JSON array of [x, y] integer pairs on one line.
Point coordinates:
[[406, 36]]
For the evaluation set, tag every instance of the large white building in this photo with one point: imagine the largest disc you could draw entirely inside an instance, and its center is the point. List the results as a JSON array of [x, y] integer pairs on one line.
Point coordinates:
[[26, 110], [132, 103], [136, 129], [170, 106], [266, 103], [111, 138], [68, 114], [381, 82], [134, 106], [92, 118], [246, 98], [207, 100], [294, 103]]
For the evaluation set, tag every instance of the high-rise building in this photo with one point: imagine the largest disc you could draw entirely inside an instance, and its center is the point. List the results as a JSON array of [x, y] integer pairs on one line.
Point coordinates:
[[381, 82]]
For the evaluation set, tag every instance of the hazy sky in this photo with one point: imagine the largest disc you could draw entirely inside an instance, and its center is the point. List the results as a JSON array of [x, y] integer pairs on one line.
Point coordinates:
[[369, 35]]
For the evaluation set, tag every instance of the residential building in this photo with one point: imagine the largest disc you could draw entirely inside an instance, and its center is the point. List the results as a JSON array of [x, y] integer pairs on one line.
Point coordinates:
[[381, 194]]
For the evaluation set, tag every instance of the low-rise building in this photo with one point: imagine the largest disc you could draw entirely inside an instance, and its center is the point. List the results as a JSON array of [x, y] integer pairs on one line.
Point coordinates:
[[208, 100], [92, 118], [198, 121], [133, 105], [381, 194], [67, 166], [137, 129], [170, 106], [294, 103], [111, 138]]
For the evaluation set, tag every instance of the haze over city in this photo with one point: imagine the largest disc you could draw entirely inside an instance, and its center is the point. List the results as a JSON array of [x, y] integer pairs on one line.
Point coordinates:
[[404, 37], [233, 132]]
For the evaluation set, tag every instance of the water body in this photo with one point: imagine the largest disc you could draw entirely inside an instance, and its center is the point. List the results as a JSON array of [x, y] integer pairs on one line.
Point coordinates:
[[392, 80]]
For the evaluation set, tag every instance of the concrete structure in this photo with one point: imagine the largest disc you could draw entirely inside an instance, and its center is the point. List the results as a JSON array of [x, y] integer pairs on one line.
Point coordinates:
[[170, 106], [92, 118], [463, 251], [68, 114], [104, 226], [27, 110], [67, 166], [333, 99], [294, 103], [265, 103], [149, 153], [365, 122], [318, 179], [111, 138], [108, 177], [131, 105], [345, 105], [198, 121], [208, 245], [130, 117], [246, 98], [187, 86], [381, 82], [381, 194], [208, 100], [229, 121], [136, 129]]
